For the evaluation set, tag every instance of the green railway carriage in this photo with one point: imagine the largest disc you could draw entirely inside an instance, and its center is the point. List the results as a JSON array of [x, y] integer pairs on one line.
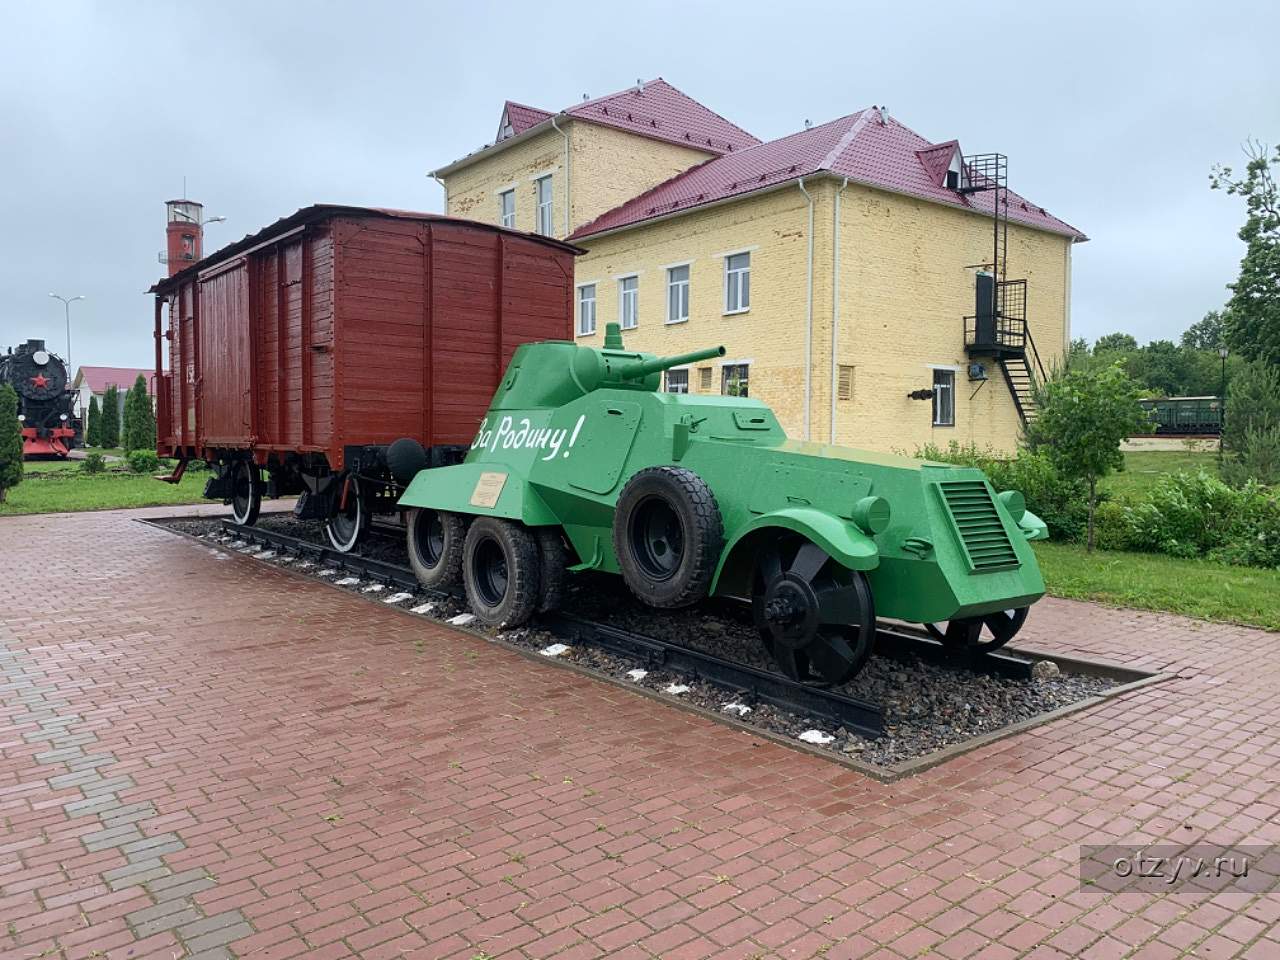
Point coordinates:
[[1185, 416]]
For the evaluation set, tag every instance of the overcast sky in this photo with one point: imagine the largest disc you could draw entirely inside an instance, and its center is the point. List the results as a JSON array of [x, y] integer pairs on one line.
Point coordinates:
[[1111, 114]]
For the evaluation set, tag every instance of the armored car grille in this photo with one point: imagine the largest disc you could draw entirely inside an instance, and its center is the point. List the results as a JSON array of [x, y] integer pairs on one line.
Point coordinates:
[[981, 530]]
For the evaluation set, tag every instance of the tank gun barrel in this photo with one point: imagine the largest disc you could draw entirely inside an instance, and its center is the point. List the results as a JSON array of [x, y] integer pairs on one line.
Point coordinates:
[[639, 369]]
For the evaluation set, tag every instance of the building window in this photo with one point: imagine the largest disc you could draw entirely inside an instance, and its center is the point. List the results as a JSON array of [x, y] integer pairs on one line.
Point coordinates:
[[733, 379], [704, 379], [543, 189], [844, 383], [678, 294], [507, 207], [629, 303], [586, 310], [944, 398], [737, 283], [677, 381]]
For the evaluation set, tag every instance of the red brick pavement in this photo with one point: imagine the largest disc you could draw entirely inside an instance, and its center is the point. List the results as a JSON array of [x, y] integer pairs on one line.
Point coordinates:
[[211, 758]]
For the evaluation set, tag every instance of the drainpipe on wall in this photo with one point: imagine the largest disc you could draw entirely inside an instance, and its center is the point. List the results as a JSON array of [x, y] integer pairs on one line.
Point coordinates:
[[808, 328], [567, 180], [835, 305], [1066, 306]]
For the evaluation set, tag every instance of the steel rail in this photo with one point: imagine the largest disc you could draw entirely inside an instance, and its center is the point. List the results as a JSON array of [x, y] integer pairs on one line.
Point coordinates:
[[897, 642]]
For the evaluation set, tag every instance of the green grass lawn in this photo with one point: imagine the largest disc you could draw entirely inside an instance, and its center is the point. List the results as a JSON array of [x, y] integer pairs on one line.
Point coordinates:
[[64, 488], [1149, 581], [1144, 467]]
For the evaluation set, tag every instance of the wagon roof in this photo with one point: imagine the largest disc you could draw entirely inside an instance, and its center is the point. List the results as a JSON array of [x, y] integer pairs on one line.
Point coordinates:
[[326, 211]]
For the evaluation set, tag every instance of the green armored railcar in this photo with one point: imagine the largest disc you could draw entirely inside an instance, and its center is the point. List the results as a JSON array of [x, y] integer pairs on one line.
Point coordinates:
[[582, 463]]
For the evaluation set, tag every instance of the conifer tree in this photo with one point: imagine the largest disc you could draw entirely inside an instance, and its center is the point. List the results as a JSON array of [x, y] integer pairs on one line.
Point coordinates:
[[109, 432], [93, 428], [10, 441]]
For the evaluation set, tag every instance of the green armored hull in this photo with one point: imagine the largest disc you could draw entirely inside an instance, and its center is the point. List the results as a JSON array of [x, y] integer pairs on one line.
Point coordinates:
[[582, 462]]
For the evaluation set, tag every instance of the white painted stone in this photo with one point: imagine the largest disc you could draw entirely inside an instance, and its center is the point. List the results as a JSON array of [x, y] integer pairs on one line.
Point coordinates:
[[462, 619], [555, 650], [676, 688], [423, 608], [398, 598], [741, 709], [266, 554], [374, 588], [637, 675], [347, 581], [816, 736]]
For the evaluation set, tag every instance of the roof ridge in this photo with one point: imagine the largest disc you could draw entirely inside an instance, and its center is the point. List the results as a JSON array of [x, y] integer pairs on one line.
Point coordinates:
[[849, 136]]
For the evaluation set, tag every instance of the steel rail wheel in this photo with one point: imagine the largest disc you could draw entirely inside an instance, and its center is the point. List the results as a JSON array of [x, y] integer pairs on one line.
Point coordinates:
[[350, 520], [434, 540], [246, 493], [500, 572], [813, 614], [979, 634]]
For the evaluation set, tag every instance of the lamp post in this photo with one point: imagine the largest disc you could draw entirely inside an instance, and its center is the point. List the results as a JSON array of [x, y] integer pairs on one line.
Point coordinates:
[[1222, 400], [66, 303]]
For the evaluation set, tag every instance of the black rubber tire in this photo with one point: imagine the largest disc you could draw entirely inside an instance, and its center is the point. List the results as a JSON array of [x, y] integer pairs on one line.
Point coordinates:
[[553, 559], [246, 492], [405, 458], [436, 558], [500, 572], [347, 530], [966, 636], [661, 572]]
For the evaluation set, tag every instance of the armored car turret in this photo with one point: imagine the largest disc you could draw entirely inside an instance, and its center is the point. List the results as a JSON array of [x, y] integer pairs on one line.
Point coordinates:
[[582, 463]]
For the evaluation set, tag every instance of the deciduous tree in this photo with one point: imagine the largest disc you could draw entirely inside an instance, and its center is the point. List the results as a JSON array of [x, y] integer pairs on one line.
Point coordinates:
[[1253, 312], [1083, 415]]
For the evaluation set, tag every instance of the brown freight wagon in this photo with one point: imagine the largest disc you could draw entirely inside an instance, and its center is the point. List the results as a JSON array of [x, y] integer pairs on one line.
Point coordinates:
[[342, 349]]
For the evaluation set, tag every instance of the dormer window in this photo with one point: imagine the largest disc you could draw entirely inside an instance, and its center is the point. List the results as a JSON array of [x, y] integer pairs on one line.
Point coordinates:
[[954, 178], [504, 126]]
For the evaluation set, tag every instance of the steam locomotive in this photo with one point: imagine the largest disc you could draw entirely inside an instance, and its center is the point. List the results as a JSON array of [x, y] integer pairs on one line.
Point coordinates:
[[46, 402]]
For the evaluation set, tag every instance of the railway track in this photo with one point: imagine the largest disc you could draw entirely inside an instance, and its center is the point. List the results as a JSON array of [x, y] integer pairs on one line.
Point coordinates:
[[749, 682]]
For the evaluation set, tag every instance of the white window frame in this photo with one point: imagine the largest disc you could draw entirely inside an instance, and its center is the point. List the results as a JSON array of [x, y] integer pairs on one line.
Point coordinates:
[[687, 283], [724, 367], [666, 378], [635, 302], [547, 208], [733, 278], [502, 213], [950, 389], [579, 301]]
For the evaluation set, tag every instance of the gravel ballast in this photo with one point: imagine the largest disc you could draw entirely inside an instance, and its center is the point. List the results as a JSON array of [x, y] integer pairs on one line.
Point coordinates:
[[927, 706]]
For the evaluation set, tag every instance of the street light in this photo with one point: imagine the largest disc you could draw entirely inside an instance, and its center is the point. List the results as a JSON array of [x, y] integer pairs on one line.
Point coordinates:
[[1222, 399], [66, 303]]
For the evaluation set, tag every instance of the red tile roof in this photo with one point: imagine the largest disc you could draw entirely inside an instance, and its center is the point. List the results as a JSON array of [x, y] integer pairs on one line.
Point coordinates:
[[99, 378], [885, 155], [654, 109], [521, 118], [657, 109]]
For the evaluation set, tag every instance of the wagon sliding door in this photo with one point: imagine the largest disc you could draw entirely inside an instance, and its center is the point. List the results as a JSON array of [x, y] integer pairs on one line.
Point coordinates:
[[224, 384], [293, 306]]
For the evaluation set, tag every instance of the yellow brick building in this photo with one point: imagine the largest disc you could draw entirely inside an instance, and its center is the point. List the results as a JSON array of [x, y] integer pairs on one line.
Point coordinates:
[[837, 265]]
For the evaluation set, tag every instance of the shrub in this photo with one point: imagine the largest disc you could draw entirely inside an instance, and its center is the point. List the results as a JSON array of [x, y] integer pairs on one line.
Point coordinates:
[[1060, 502], [93, 463], [1256, 457], [1184, 515], [1112, 526], [143, 461], [1254, 540]]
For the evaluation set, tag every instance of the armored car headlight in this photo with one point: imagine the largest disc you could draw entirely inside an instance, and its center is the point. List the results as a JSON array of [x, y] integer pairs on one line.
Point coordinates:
[[1014, 502], [872, 514]]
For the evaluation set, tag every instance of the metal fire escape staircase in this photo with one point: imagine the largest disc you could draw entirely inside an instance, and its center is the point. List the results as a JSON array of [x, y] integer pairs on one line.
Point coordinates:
[[998, 329]]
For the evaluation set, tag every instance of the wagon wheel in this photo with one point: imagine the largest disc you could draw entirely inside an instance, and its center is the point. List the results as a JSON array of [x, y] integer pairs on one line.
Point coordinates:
[[350, 519], [812, 613], [983, 634], [246, 493]]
